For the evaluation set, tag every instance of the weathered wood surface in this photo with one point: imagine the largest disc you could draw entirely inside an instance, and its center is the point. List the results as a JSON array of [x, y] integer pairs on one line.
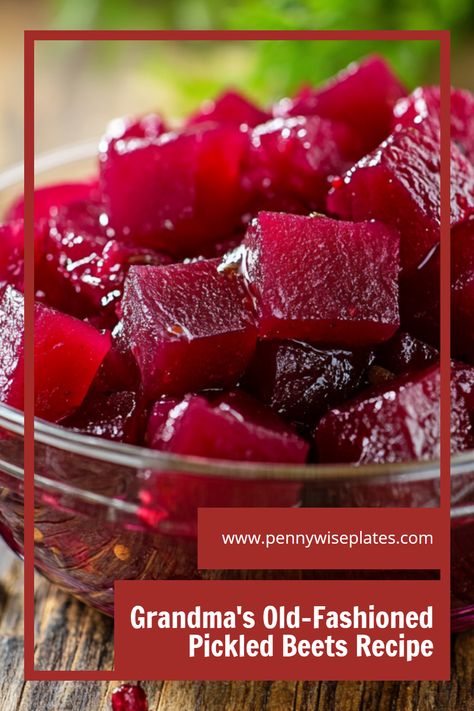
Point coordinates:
[[71, 636]]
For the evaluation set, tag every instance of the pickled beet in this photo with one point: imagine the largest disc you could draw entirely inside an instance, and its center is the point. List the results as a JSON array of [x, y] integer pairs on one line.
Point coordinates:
[[424, 103], [399, 184], [289, 161], [403, 353], [321, 280], [230, 108], [300, 382], [114, 416], [11, 254], [394, 423], [149, 126], [233, 427], [129, 697], [47, 200], [462, 290], [362, 95], [178, 192], [190, 326], [119, 370], [67, 353]]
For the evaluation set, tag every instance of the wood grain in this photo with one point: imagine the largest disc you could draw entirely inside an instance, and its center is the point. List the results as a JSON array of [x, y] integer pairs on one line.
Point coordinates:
[[69, 635]]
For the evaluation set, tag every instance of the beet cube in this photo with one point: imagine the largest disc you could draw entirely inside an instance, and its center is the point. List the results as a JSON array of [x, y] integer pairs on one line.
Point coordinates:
[[230, 108], [178, 192], [49, 199], [424, 103], [462, 290], [404, 353], [234, 428], [190, 326], [149, 126], [11, 253], [300, 382], [113, 416], [68, 353], [289, 161], [362, 95], [395, 423], [321, 280], [399, 184]]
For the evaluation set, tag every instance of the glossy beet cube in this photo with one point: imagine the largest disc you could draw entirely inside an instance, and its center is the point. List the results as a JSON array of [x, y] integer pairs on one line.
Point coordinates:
[[300, 382], [234, 427], [119, 370], [114, 416], [399, 184], [149, 126], [362, 95], [289, 161], [230, 108], [404, 353], [424, 103], [395, 423], [321, 280], [190, 326], [49, 199], [462, 290], [178, 192], [68, 353], [129, 697], [11, 253]]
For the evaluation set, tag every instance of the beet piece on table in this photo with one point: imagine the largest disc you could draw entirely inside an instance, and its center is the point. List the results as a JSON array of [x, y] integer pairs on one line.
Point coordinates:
[[321, 280], [395, 423], [178, 192], [404, 353], [68, 353], [462, 290], [113, 416], [300, 382], [289, 161], [49, 199], [234, 427], [399, 184], [190, 326], [424, 103], [230, 108], [362, 95]]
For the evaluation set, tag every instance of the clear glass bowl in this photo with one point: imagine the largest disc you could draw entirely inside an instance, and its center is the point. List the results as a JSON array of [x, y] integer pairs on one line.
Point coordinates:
[[107, 511]]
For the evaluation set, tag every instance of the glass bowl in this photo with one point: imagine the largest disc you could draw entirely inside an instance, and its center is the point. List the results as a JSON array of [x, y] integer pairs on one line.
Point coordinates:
[[107, 511]]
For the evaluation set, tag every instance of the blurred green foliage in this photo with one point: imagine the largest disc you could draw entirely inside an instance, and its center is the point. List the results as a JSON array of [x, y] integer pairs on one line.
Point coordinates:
[[272, 68]]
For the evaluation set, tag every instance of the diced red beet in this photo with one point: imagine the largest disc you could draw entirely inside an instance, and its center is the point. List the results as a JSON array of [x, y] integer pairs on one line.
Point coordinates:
[[149, 126], [230, 108], [399, 184], [114, 416], [67, 354], [322, 280], [12, 254], [179, 192], [300, 382], [83, 257], [233, 428], [363, 95], [420, 300], [424, 102], [289, 161], [129, 697], [404, 353], [395, 423], [462, 290], [119, 370], [158, 417], [47, 200], [190, 326]]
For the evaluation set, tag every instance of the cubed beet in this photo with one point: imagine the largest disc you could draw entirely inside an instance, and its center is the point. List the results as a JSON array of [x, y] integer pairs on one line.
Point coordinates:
[[114, 416], [322, 280], [397, 422], [190, 326], [67, 352], [149, 126], [462, 290], [49, 199], [234, 427], [404, 352], [363, 95], [300, 382], [289, 161], [399, 184], [178, 192], [230, 108], [424, 102]]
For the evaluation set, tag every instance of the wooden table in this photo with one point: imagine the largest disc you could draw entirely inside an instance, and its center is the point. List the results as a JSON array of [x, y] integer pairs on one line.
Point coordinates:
[[69, 635]]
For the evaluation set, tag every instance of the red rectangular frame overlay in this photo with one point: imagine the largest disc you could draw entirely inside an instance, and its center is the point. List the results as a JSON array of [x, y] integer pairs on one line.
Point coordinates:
[[32, 36]]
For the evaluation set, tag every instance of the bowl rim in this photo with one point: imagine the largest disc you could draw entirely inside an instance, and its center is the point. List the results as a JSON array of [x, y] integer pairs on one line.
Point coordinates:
[[143, 458]]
